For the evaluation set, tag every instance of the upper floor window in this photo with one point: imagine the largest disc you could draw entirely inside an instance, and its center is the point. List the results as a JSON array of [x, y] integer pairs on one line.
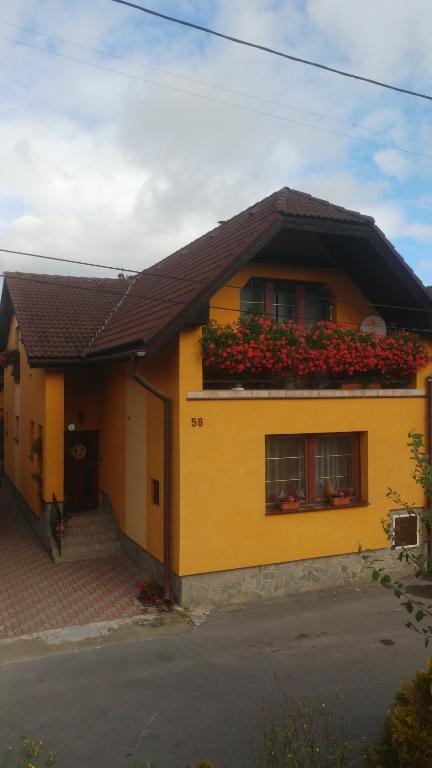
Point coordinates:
[[285, 300]]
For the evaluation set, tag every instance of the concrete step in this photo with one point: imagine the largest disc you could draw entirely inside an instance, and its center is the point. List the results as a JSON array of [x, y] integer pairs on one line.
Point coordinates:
[[78, 554], [89, 519], [88, 536], [90, 533]]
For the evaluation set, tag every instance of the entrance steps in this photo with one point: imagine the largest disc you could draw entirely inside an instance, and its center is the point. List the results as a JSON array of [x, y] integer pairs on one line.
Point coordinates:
[[88, 536]]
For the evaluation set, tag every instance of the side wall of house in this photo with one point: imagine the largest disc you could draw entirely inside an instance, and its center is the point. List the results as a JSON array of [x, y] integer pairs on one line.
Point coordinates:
[[24, 421], [222, 476], [131, 449]]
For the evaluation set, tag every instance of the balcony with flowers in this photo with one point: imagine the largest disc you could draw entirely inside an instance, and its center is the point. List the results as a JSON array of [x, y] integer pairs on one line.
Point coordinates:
[[259, 353]]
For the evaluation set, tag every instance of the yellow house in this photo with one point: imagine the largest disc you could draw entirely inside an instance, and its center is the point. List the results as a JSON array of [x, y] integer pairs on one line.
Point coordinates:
[[226, 482]]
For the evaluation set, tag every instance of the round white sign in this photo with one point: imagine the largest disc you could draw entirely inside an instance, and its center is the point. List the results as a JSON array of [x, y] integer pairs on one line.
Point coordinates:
[[71, 427], [374, 324]]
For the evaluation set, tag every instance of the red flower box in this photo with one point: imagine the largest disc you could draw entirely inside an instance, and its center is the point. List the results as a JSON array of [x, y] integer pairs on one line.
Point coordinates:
[[340, 501], [257, 345], [289, 506]]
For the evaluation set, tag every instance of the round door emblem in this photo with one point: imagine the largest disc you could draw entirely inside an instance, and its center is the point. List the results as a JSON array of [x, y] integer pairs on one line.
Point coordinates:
[[78, 451]]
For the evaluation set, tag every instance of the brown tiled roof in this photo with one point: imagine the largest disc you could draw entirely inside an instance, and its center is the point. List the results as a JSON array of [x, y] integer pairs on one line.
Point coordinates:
[[69, 317], [57, 315], [161, 293]]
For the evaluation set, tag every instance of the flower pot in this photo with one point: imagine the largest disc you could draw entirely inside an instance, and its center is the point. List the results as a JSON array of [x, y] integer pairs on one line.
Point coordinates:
[[289, 506], [340, 501]]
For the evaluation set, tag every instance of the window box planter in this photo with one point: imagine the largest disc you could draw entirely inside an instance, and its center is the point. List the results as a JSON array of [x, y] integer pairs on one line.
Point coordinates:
[[262, 349], [340, 501], [289, 506]]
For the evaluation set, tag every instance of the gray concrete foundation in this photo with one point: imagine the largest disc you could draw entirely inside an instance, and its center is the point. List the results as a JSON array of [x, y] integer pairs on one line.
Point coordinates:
[[264, 582], [39, 524]]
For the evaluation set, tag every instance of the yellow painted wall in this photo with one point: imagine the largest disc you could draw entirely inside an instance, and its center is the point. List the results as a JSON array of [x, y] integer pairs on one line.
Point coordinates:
[[112, 437], [223, 479], [53, 440], [137, 481], [27, 401], [222, 471], [163, 371], [131, 447], [352, 305]]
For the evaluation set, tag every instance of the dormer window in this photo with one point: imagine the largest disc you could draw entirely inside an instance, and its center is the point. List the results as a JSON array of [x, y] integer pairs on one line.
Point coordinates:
[[284, 300]]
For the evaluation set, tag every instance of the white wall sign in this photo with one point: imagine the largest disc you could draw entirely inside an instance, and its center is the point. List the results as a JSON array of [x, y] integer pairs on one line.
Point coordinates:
[[374, 324]]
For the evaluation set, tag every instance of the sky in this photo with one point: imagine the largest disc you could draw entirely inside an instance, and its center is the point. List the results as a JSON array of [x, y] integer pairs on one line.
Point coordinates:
[[123, 167]]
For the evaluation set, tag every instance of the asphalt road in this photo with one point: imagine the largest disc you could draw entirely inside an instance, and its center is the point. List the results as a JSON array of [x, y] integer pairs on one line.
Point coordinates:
[[175, 700]]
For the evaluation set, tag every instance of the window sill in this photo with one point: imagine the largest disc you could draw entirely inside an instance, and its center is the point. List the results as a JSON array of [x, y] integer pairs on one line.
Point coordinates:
[[300, 394], [315, 508]]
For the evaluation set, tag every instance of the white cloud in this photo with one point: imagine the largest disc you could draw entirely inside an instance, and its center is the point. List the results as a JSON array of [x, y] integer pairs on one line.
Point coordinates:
[[103, 168]]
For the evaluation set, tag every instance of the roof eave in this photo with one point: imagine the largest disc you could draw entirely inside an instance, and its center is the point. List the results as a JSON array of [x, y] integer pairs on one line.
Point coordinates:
[[83, 362]]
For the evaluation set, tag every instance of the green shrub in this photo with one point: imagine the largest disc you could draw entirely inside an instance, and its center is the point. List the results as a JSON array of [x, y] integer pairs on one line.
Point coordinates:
[[406, 737]]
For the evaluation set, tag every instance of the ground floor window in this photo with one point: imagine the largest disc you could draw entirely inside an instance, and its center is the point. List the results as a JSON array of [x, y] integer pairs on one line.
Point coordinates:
[[312, 469]]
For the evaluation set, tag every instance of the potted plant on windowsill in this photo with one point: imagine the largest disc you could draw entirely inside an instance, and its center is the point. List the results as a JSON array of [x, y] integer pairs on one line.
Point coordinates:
[[289, 503], [340, 498]]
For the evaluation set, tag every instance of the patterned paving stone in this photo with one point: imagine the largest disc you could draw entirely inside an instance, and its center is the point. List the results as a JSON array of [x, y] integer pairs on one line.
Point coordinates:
[[36, 594]]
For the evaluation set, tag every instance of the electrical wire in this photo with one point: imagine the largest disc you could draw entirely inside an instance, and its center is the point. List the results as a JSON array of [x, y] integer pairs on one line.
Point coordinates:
[[273, 51], [68, 261], [42, 280], [214, 100], [164, 275], [170, 73]]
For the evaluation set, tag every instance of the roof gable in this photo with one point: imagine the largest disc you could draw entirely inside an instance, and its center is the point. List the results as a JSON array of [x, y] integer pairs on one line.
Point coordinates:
[[162, 294]]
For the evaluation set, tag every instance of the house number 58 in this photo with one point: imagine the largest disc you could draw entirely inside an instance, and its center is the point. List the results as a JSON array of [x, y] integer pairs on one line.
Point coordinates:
[[197, 422]]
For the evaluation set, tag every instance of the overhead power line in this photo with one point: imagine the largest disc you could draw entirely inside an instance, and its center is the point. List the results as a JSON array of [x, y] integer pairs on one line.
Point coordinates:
[[166, 276], [273, 51], [237, 311], [217, 87], [214, 100], [68, 261]]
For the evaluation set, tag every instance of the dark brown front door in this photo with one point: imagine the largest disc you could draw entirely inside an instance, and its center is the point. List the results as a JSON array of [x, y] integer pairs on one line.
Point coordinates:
[[81, 470]]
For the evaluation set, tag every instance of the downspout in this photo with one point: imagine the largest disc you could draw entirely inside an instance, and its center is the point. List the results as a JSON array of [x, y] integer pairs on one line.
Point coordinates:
[[167, 456], [429, 451]]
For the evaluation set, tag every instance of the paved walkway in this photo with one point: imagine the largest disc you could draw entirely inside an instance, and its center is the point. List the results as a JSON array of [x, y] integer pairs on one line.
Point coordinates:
[[36, 595]]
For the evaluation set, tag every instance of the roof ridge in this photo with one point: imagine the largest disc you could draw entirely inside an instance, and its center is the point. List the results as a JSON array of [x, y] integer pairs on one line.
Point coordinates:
[[365, 216], [107, 320], [279, 205], [44, 275]]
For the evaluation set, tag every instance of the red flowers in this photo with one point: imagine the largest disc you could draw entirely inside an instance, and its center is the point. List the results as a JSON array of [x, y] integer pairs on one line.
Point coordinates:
[[150, 593], [257, 345]]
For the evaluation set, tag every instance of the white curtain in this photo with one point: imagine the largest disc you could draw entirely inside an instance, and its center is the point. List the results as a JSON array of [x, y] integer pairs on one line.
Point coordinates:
[[334, 465], [285, 467]]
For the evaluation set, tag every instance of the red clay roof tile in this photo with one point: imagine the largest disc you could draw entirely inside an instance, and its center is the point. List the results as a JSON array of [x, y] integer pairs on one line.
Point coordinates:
[[56, 314], [162, 291]]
